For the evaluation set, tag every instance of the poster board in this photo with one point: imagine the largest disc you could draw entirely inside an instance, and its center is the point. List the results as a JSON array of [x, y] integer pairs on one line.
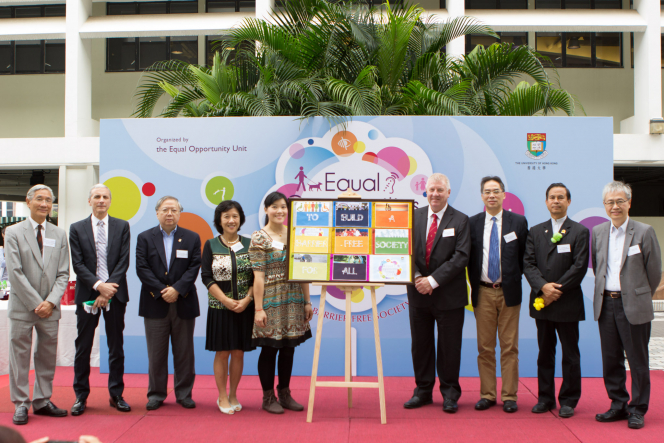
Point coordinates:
[[350, 240]]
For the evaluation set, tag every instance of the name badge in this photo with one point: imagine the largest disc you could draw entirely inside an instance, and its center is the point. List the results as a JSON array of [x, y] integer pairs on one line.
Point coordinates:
[[237, 247], [633, 250], [510, 237], [448, 232], [182, 253], [277, 245], [564, 248], [50, 242]]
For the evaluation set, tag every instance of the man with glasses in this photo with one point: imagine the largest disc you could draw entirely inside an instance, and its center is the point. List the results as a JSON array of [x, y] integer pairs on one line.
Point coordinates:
[[555, 263], [168, 258], [497, 245], [627, 263]]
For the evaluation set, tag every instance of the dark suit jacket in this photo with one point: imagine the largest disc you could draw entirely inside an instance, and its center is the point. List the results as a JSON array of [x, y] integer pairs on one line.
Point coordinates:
[[511, 255], [84, 258], [155, 276], [449, 258], [543, 264]]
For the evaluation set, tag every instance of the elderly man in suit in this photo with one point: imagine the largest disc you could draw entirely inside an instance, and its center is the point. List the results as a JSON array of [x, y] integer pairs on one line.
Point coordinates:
[[441, 247], [168, 258], [497, 246], [555, 266], [100, 257], [628, 267], [37, 257]]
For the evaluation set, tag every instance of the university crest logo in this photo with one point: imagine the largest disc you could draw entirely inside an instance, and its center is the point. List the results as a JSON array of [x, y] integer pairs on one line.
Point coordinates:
[[536, 146]]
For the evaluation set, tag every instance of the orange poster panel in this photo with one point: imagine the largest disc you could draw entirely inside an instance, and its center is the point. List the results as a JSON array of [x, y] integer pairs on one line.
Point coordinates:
[[351, 241], [392, 215]]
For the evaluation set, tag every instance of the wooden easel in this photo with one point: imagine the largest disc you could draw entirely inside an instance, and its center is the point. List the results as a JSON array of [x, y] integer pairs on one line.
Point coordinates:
[[347, 288]]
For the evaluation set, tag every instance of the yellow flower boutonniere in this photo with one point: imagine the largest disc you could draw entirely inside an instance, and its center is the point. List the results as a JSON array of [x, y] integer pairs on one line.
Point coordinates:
[[539, 303]]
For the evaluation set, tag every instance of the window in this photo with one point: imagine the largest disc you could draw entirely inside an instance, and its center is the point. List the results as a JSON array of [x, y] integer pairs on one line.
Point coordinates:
[[581, 49], [496, 4], [139, 53], [578, 4], [211, 48], [10, 209], [516, 38], [32, 56], [231, 5]]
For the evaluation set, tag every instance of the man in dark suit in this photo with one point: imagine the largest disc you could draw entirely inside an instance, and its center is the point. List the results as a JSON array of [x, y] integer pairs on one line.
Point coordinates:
[[168, 259], [554, 267], [441, 246], [497, 245], [627, 262], [100, 257]]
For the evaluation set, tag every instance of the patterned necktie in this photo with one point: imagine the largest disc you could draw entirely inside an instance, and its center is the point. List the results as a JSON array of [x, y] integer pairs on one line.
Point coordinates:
[[102, 270], [40, 242], [432, 236], [494, 253]]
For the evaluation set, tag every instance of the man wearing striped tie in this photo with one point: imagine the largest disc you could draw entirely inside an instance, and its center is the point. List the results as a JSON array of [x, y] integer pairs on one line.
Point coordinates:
[[100, 257], [441, 247]]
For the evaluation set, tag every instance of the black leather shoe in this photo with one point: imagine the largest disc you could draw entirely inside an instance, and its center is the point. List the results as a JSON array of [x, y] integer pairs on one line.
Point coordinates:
[[50, 410], [612, 415], [484, 404], [21, 416], [79, 407], [510, 406], [118, 403], [154, 405], [541, 408], [450, 406], [187, 403], [635, 421], [566, 412], [417, 402]]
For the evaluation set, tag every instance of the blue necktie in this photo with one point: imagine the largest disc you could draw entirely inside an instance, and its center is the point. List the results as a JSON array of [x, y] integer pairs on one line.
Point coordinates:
[[494, 253]]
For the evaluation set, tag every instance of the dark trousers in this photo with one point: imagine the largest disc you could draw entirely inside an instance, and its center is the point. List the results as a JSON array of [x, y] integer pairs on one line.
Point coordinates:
[[423, 347], [570, 391], [619, 337], [267, 363], [180, 331], [86, 325]]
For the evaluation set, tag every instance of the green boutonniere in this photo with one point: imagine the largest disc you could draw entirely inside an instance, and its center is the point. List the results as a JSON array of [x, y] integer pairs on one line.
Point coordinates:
[[557, 236]]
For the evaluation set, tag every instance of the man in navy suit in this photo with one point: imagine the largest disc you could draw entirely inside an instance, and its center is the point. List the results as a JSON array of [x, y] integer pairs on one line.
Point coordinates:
[[497, 246], [100, 258], [555, 266], [168, 258], [441, 246]]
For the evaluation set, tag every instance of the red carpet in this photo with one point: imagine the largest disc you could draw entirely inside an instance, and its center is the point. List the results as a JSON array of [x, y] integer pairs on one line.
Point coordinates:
[[333, 421]]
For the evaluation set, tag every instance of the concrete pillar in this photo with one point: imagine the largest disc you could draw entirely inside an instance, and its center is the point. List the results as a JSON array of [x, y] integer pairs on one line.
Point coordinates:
[[264, 8], [202, 47], [647, 67], [78, 73], [456, 8]]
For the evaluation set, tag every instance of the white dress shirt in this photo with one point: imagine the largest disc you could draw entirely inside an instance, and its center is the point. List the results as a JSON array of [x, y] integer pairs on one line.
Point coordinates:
[[439, 214], [616, 246], [557, 224], [488, 224], [94, 220], [34, 228]]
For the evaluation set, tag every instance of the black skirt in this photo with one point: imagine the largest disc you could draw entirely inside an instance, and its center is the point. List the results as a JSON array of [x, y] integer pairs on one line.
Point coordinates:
[[228, 331]]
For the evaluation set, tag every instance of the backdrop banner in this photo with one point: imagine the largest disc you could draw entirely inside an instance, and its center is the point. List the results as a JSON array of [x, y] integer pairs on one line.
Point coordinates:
[[205, 161]]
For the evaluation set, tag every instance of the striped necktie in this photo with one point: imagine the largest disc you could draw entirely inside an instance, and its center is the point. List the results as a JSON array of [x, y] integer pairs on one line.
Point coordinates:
[[494, 252], [432, 236], [102, 269]]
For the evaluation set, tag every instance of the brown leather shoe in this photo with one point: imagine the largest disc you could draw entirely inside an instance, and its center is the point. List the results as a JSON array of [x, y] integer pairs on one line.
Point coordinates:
[[287, 401], [270, 403]]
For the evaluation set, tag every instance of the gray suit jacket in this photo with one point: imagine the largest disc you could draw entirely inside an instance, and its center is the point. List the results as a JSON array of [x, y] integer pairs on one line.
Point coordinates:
[[640, 273], [32, 279]]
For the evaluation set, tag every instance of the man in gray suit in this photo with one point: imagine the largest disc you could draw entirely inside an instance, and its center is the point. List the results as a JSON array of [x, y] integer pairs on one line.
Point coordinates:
[[628, 267], [38, 266]]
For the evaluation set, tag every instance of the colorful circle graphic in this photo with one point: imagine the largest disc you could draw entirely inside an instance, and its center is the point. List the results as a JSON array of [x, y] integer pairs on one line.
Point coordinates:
[[148, 189], [196, 223], [218, 189], [359, 147], [373, 134], [418, 184], [343, 142], [126, 197], [296, 150]]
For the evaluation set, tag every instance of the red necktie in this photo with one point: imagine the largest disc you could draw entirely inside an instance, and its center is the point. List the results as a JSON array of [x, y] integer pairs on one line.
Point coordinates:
[[431, 236]]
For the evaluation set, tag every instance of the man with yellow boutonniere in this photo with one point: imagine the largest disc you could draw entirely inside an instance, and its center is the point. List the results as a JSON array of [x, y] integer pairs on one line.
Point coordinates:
[[555, 263]]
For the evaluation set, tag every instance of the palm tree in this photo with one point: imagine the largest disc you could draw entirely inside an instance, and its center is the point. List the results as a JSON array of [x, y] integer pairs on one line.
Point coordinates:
[[316, 58]]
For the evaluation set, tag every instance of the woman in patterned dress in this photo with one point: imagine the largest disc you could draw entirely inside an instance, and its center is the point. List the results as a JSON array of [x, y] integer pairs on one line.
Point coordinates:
[[226, 272], [283, 309]]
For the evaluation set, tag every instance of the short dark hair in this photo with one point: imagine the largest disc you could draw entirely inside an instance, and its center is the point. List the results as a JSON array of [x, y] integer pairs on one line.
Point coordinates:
[[9, 435], [558, 185], [492, 178], [270, 199], [226, 206]]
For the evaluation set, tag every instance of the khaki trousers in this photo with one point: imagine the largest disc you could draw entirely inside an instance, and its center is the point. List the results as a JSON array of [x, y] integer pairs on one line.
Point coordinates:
[[492, 315]]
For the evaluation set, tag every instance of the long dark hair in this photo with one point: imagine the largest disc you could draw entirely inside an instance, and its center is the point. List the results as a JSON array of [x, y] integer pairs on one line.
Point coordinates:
[[270, 199]]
